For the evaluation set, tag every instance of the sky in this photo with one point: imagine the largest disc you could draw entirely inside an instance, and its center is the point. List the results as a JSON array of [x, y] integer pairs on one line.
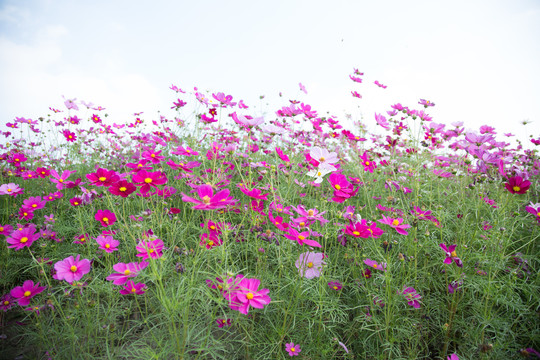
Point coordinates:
[[476, 60]]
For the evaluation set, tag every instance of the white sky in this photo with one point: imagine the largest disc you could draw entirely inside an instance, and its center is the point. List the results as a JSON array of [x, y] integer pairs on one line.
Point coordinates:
[[477, 60]]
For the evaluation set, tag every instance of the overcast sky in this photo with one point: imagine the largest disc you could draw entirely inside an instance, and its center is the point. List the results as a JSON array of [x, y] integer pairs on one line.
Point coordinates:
[[477, 60]]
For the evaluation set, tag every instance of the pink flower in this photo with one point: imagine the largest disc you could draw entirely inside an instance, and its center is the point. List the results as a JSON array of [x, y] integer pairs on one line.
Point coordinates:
[[6, 230], [132, 288], [23, 237], [107, 243], [301, 238], [224, 99], [310, 264], [278, 222], [311, 214], [187, 151], [375, 265], [126, 271], [453, 357], [426, 103], [24, 293], [292, 349], [11, 189], [210, 240], [516, 185], [59, 180], [221, 322], [245, 294], [122, 188], [151, 249], [105, 217], [368, 165], [335, 285], [381, 120], [451, 255], [250, 122], [254, 193], [209, 201], [103, 177], [412, 296], [343, 189], [146, 180], [396, 224], [70, 136], [71, 269], [533, 209]]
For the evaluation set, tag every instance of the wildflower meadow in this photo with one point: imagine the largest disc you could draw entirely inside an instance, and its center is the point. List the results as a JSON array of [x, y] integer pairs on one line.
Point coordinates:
[[219, 233]]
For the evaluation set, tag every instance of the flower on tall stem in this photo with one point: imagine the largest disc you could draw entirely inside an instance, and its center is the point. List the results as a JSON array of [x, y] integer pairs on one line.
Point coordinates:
[[412, 297], [397, 224], [301, 237], [107, 243], [105, 217], [152, 249], [517, 185], [310, 264], [209, 201], [126, 271], [24, 237], [245, 294], [132, 288], [375, 265]]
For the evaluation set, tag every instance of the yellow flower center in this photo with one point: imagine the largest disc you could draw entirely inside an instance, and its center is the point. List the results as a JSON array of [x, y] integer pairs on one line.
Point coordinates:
[[123, 188], [34, 205], [102, 178], [27, 293], [310, 212], [453, 254], [206, 199], [151, 251], [337, 186], [76, 203], [133, 290], [211, 243], [319, 173], [516, 188], [153, 155], [375, 266], [395, 222], [107, 246], [73, 268], [301, 237], [9, 190], [367, 163], [6, 303], [24, 239], [105, 219], [356, 233], [127, 272], [29, 175], [310, 264], [249, 296], [293, 349], [148, 180], [335, 287], [61, 180], [212, 227], [321, 159], [538, 214]]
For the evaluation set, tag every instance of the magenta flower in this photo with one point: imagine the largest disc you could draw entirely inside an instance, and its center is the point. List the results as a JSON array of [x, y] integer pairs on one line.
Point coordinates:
[[70, 136], [210, 240], [310, 264], [411, 295], [107, 243], [534, 209], [71, 269], [335, 285], [254, 193], [358, 229], [103, 177], [311, 214], [368, 165], [6, 230], [301, 238], [209, 201], [76, 201], [516, 185], [153, 156], [245, 294], [396, 224], [152, 249], [451, 255], [33, 203], [132, 288], [375, 265], [223, 322], [122, 188], [292, 349], [126, 271], [105, 217], [381, 120], [147, 180], [6, 302], [454, 357], [22, 237], [24, 293], [343, 189], [187, 151]]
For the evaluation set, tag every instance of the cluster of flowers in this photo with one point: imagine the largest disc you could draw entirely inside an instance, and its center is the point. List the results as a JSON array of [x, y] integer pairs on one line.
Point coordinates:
[[241, 292]]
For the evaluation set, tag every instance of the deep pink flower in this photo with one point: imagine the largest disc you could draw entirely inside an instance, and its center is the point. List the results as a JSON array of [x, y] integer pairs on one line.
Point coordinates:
[[221, 322], [187, 151], [310, 264], [311, 214], [153, 156], [24, 293], [132, 288], [253, 193], [335, 285], [301, 238], [71, 269], [122, 188], [103, 177], [26, 214], [292, 349], [396, 224], [6, 302], [152, 249], [6, 230], [516, 185], [105, 217], [209, 201], [59, 180], [210, 240], [146, 180], [107, 243], [76, 201], [126, 271], [23, 237], [17, 159], [534, 209], [451, 255], [411, 295], [70, 136], [368, 165], [246, 294], [343, 189]]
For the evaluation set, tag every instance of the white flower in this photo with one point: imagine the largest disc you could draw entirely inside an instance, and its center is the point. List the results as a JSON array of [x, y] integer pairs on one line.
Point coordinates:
[[319, 173]]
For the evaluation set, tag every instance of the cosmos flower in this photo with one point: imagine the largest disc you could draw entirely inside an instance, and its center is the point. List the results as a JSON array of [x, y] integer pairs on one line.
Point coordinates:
[[71, 269], [126, 271], [292, 349], [397, 224], [516, 185], [412, 297], [309, 264], [451, 255], [23, 294], [209, 201]]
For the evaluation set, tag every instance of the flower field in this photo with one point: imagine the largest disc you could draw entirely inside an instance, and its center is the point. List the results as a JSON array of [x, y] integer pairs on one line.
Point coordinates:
[[218, 234]]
